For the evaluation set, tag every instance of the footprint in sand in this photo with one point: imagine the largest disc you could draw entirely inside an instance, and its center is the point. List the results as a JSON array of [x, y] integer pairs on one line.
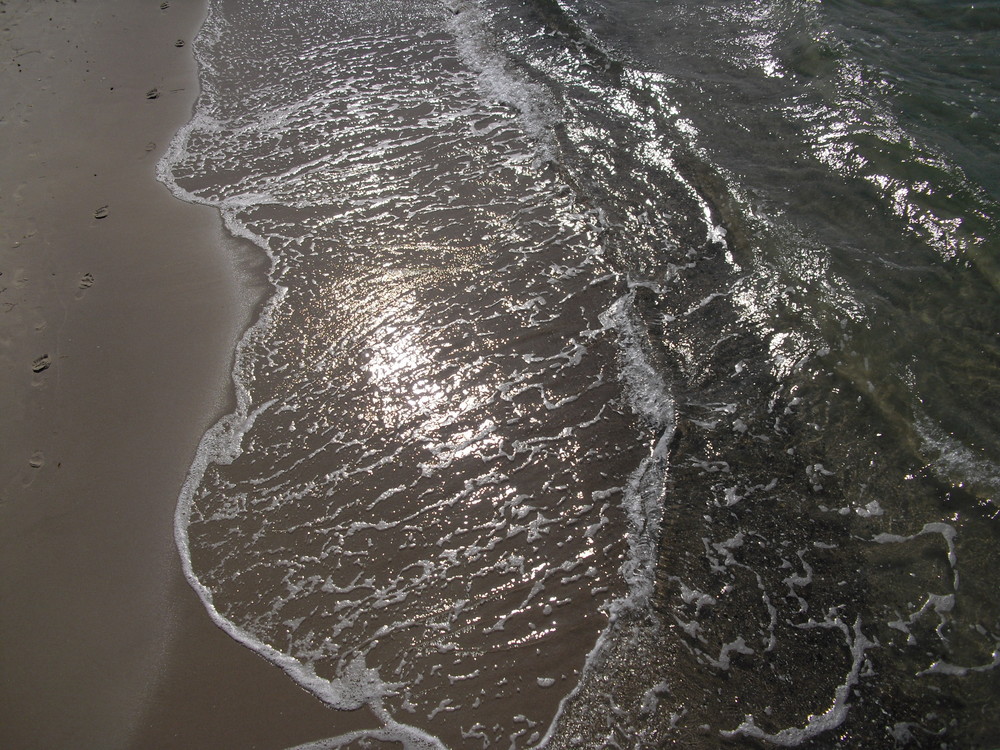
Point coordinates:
[[41, 364], [164, 6], [153, 94], [179, 43], [101, 213], [37, 460], [86, 281]]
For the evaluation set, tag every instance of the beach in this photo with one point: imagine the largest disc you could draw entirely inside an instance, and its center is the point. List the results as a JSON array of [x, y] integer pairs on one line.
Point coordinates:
[[120, 309], [498, 374]]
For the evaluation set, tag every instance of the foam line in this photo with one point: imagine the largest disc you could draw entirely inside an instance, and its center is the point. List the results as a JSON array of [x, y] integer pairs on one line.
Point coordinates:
[[816, 724]]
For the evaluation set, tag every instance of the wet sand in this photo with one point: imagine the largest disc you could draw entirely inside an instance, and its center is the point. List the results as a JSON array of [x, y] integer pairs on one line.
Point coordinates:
[[119, 310]]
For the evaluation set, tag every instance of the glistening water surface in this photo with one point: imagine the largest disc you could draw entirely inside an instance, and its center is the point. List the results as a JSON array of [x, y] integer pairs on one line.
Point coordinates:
[[631, 371]]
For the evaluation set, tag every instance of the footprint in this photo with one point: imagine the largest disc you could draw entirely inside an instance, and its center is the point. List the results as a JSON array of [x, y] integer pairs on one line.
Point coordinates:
[[101, 213], [153, 94], [179, 43], [41, 364], [164, 6], [86, 281], [37, 460]]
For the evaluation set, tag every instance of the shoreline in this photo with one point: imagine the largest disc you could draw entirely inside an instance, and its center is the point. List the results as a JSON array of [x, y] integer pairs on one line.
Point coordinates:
[[121, 308]]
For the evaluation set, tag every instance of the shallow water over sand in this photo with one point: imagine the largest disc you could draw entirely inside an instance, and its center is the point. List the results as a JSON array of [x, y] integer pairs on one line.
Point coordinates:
[[606, 382]]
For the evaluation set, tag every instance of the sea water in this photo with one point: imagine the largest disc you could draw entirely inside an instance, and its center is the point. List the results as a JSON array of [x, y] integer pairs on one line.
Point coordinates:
[[629, 375]]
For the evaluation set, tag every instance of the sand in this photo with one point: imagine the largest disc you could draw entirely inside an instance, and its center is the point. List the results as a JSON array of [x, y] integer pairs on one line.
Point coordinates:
[[119, 310]]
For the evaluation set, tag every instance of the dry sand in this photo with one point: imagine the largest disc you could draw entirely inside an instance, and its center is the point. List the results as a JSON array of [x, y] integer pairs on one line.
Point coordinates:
[[119, 309]]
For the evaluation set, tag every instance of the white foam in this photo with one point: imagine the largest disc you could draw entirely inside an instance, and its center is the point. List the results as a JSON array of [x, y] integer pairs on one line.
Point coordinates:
[[724, 661], [942, 604], [953, 670], [947, 531], [651, 399], [497, 80], [956, 462], [651, 697], [834, 716], [649, 395]]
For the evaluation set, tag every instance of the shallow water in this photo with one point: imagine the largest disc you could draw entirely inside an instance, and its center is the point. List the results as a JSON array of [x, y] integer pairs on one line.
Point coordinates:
[[628, 377]]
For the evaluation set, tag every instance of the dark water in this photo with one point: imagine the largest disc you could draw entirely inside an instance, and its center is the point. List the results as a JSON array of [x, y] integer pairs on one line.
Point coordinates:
[[631, 375]]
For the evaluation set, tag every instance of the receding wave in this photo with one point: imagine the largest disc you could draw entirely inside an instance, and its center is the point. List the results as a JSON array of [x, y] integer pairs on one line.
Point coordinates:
[[613, 388]]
